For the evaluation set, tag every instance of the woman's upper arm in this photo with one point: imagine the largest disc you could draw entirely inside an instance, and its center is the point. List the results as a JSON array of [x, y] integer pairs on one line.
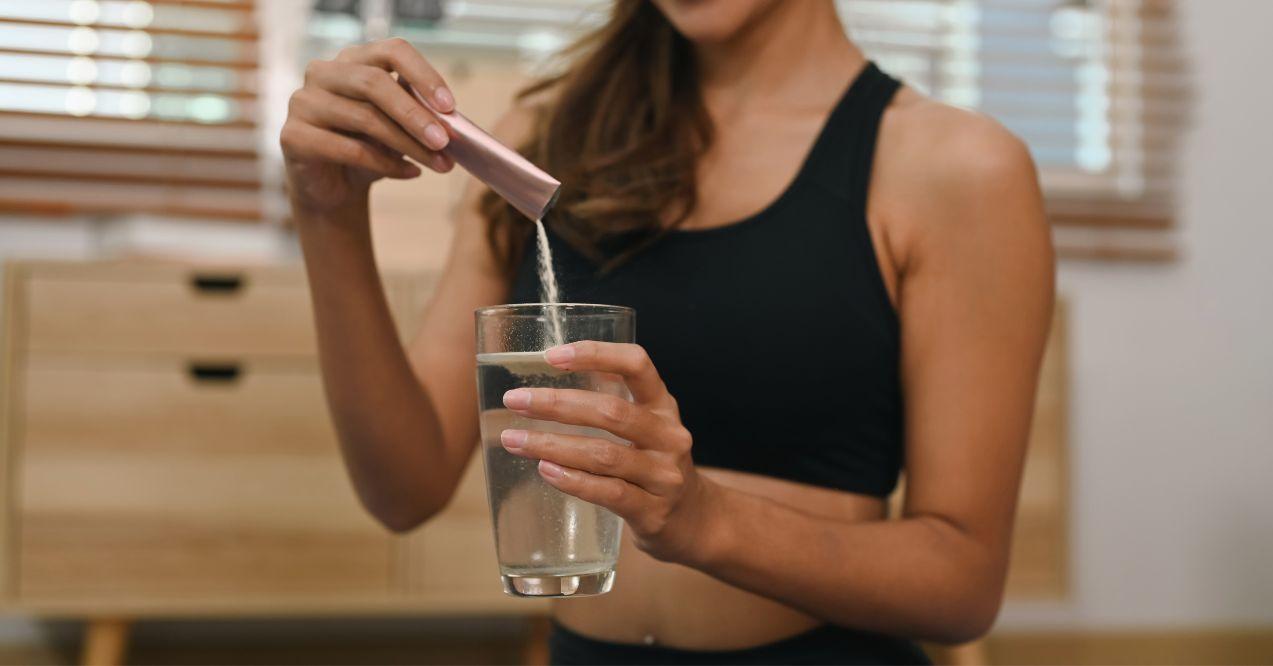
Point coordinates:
[[975, 302], [443, 350]]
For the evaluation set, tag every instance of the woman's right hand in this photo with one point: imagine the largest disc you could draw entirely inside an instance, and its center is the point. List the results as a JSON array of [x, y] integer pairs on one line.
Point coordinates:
[[352, 123]]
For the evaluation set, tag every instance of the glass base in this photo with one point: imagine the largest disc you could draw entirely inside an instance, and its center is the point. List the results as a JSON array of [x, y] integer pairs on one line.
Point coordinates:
[[578, 585]]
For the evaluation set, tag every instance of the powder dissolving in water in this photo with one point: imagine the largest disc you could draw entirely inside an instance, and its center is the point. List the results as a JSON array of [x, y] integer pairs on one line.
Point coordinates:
[[539, 530]]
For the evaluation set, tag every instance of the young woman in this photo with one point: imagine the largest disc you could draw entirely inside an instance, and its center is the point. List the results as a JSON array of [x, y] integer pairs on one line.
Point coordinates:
[[836, 279]]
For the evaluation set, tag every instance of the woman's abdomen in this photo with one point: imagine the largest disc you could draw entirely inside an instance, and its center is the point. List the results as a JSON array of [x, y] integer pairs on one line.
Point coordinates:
[[680, 607]]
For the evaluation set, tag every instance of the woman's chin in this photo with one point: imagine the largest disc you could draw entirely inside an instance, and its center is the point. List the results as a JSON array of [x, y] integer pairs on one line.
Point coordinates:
[[707, 22]]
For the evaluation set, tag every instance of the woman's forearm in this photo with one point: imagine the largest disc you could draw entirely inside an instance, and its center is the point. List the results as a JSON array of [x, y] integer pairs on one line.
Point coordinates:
[[922, 577], [388, 428]]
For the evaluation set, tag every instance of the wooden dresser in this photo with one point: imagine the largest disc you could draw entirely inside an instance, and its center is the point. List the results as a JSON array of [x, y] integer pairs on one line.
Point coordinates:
[[167, 452]]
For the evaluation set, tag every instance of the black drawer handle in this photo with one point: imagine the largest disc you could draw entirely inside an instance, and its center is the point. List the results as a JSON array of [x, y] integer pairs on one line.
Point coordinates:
[[214, 373], [222, 284]]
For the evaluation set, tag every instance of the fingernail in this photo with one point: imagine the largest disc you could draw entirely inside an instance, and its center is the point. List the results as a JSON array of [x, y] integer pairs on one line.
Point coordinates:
[[442, 97], [560, 355], [552, 470], [517, 399], [435, 137], [513, 439], [412, 170]]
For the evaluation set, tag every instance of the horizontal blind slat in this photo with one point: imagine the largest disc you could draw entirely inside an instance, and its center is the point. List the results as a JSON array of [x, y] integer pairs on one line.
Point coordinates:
[[103, 146], [238, 5], [130, 107], [129, 134], [87, 164], [240, 94], [241, 35], [69, 196], [199, 62], [150, 121]]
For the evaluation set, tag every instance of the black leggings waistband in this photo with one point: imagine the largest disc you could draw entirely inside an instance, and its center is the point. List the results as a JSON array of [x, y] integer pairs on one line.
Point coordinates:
[[825, 645]]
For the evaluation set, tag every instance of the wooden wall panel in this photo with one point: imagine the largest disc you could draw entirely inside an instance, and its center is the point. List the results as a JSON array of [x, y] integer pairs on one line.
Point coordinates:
[[10, 421], [1040, 547]]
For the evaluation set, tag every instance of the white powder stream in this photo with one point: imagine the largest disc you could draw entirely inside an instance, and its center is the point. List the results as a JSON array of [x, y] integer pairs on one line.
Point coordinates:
[[548, 283]]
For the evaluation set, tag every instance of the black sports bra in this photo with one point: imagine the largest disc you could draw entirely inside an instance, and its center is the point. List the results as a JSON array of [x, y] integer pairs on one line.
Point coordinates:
[[775, 334]]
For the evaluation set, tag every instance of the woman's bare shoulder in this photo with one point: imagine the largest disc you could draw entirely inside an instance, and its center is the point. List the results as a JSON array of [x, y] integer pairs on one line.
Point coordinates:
[[937, 144], [941, 170]]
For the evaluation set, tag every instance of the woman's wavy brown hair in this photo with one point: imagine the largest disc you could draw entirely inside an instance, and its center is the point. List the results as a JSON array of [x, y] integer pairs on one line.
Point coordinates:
[[623, 131]]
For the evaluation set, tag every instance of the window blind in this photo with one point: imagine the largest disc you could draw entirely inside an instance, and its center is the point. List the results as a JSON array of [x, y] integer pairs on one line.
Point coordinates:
[[1097, 88], [119, 106]]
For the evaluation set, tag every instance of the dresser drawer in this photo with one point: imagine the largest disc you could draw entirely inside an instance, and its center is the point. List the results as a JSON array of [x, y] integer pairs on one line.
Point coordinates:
[[162, 480], [152, 405], [166, 309]]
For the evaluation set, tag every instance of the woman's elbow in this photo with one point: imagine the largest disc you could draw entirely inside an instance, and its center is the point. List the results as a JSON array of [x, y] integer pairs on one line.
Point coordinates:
[[401, 522], [399, 515], [967, 619]]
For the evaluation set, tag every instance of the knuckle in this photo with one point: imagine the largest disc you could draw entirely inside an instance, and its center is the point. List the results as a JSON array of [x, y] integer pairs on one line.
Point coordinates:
[[354, 152], [404, 55], [348, 53], [544, 399], [296, 101], [364, 116], [638, 358], [608, 457], [369, 79], [287, 136], [615, 410], [655, 520], [537, 440], [415, 115], [612, 493], [673, 478], [681, 440], [585, 349], [313, 68]]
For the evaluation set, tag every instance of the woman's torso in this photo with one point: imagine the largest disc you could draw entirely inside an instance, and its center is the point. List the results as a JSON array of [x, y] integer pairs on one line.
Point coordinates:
[[730, 316], [676, 606]]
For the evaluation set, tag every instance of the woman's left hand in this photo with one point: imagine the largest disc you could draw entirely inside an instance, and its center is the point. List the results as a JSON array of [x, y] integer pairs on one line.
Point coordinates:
[[652, 484]]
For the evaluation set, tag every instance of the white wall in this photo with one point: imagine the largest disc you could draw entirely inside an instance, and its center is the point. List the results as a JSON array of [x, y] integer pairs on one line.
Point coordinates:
[[1172, 375]]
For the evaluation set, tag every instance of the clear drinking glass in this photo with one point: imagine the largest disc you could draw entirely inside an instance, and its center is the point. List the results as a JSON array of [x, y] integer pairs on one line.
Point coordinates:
[[549, 544]]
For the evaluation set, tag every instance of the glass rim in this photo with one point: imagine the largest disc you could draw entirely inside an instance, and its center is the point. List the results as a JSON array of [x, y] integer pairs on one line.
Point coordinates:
[[537, 309]]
